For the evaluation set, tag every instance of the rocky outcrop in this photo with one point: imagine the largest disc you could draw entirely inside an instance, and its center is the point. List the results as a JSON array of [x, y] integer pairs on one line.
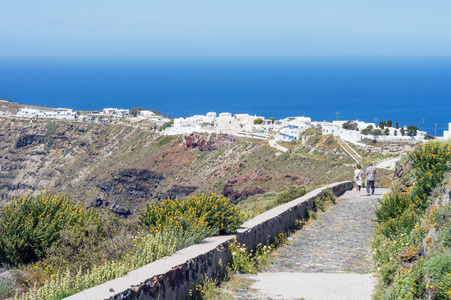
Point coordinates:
[[177, 191], [391, 148], [263, 178], [133, 182], [206, 142], [202, 142], [29, 139], [236, 195], [120, 210]]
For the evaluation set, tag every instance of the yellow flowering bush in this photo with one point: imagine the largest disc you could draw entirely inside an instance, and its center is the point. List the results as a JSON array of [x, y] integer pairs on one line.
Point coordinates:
[[31, 225], [398, 212], [403, 220], [244, 261], [210, 211], [430, 162]]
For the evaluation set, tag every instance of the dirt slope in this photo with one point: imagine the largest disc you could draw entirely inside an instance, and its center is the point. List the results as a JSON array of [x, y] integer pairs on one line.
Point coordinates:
[[124, 167]]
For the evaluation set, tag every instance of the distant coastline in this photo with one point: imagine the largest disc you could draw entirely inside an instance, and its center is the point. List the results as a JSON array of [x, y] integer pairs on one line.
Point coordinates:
[[239, 125], [407, 90]]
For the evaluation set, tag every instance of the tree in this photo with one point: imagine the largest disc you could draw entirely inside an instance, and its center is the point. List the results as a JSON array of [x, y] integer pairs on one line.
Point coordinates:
[[387, 131], [367, 130], [350, 125], [429, 137], [397, 125], [388, 123], [412, 130], [156, 112], [382, 125], [396, 132], [134, 111], [167, 125], [272, 120], [376, 132], [258, 121], [402, 131]]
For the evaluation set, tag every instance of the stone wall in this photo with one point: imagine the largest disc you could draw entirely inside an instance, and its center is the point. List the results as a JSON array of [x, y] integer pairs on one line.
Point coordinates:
[[174, 276]]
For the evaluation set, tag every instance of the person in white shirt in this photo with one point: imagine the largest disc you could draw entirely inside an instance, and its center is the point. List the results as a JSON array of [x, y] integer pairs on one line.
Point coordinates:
[[358, 178]]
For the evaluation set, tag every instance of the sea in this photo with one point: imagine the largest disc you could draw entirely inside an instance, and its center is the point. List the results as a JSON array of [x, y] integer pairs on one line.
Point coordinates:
[[407, 90]]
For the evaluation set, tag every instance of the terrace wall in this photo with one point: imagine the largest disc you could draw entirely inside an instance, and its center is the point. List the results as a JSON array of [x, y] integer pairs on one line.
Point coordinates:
[[174, 276]]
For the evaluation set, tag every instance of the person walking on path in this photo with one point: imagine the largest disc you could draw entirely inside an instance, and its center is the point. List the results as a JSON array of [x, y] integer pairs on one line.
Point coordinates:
[[370, 178], [358, 178]]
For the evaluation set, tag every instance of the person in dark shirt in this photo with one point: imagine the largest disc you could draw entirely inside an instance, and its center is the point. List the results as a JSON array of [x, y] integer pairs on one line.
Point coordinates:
[[370, 178]]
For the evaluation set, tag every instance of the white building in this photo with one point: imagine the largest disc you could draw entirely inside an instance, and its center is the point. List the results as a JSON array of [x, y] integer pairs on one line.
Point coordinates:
[[110, 111], [447, 133], [225, 123], [292, 128], [123, 112], [329, 129], [27, 113], [181, 126], [147, 113], [225, 114], [354, 136], [196, 123], [289, 133], [65, 114], [211, 115], [116, 113], [58, 113], [300, 122]]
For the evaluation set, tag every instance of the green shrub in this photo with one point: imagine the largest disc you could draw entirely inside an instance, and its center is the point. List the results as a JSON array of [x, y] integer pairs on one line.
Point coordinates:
[[32, 224], [6, 289], [150, 247], [401, 224], [319, 204], [167, 125], [86, 246], [402, 228], [311, 214], [439, 268], [292, 193], [408, 286], [51, 128], [445, 237], [210, 211], [398, 212], [248, 262], [392, 205], [327, 195], [147, 248]]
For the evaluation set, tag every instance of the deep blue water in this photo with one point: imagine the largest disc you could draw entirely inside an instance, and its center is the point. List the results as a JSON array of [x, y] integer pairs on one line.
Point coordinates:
[[403, 89]]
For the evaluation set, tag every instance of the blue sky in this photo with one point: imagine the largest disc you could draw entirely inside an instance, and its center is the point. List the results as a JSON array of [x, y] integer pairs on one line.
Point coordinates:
[[235, 27]]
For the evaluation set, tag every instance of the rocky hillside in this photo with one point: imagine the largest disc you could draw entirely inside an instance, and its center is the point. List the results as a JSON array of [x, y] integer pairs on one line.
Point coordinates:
[[123, 167]]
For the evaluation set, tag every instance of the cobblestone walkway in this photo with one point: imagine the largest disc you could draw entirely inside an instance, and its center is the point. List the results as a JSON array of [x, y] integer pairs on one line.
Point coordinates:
[[337, 242]]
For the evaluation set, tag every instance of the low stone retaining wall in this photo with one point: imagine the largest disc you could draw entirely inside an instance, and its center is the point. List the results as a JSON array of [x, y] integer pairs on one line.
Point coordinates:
[[174, 276]]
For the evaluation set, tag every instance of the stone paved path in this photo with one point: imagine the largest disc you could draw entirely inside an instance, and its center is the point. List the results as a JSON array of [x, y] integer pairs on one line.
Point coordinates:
[[337, 242]]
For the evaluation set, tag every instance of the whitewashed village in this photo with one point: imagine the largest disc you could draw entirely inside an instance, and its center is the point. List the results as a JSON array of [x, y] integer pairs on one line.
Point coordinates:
[[244, 125]]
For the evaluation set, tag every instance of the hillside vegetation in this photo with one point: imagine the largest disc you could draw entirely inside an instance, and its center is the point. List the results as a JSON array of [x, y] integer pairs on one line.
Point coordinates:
[[123, 168], [412, 245], [71, 181]]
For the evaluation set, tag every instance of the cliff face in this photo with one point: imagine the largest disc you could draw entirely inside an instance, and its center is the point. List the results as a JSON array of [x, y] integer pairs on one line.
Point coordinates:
[[111, 166], [123, 168]]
